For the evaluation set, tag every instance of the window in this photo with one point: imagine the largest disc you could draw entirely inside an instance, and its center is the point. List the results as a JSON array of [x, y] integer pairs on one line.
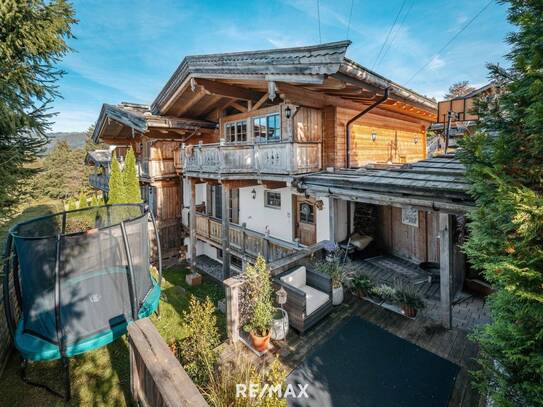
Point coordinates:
[[307, 213], [235, 132], [236, 262], [272, 199], [267, 128]]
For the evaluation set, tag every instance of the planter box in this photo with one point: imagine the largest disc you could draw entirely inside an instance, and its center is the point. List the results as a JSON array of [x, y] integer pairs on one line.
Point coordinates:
[[391, 307]]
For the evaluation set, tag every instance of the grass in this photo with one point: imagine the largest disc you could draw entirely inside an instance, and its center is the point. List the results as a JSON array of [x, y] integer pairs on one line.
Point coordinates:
[[102, 377]]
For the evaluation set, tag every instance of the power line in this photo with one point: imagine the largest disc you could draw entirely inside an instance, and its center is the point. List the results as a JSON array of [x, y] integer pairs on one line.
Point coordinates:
[[388, 34], [350, 16], [319, 19], [393, 39], [454, 37]]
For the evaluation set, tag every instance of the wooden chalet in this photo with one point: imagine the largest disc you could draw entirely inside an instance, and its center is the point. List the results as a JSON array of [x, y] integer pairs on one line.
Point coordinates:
[[264, 152]]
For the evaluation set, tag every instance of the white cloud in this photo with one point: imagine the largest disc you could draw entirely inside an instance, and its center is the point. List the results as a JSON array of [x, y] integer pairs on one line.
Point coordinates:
[[436, 63]]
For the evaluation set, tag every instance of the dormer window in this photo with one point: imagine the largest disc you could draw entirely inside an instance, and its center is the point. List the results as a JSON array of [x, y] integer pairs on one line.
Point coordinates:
[[267, 128], [236, 132]]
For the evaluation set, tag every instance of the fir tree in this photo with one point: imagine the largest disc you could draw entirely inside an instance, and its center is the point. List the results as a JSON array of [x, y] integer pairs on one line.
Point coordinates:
[[71, 204], [505, 163], [117, 192], [32, 42], [94, 200], [130, 178], [83, 200]]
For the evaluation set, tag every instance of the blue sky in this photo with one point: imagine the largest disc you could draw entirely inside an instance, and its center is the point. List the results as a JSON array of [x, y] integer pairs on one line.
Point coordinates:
[[125, 50]]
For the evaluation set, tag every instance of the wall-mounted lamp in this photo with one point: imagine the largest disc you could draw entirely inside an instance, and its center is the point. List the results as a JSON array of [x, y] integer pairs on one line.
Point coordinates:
[[288, 112], [373, 136], [415, 139], [253, 193]]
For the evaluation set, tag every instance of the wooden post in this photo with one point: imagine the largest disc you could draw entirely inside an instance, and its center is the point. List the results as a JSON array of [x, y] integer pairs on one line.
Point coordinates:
[[225, 230], [232, 286], [243, 239], [266, 246], [332, 218], [446, 256], [192, 224]]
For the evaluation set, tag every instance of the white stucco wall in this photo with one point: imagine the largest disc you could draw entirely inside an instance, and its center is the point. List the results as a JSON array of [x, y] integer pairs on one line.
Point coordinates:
[[257, 216], [323, 220]]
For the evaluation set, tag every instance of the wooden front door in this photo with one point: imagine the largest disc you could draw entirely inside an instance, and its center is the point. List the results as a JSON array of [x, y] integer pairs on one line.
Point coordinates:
[[306, 230]]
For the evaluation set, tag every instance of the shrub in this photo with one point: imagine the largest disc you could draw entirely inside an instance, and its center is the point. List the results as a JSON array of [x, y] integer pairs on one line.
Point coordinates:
[[82, 200], [384, 293], [407, 295], [333, 269], [258, 298], [362, 284], [197, 351]]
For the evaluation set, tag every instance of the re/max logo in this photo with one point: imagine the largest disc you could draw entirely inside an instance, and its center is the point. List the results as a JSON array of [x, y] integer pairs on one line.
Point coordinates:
[[255, 390]]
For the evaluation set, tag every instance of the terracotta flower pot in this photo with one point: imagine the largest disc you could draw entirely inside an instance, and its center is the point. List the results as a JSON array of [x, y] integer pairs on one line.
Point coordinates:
[[260, 343], [362, 293], [409, 311]]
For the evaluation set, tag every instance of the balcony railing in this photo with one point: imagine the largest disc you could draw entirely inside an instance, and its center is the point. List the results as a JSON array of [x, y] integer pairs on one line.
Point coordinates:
[[245, 242], [272, 158], [99, 181]]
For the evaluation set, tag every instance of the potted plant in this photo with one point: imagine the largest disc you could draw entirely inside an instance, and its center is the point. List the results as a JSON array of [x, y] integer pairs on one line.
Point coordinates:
[[261, 310], [384, 293], [362, 285], [333, 269], [409, 300]]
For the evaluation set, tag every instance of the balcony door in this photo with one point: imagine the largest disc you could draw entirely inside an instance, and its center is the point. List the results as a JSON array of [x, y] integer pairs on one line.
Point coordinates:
[[214, 203], [306, 222]]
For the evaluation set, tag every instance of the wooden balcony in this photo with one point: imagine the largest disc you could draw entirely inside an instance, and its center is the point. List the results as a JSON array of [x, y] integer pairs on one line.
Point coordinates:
[[243, 241], [153, 169], [99, 181], [282, 158]]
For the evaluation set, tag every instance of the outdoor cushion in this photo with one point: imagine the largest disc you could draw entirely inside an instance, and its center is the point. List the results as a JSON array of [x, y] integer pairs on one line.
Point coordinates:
[[361, 241], [295, 278], [313, 299]]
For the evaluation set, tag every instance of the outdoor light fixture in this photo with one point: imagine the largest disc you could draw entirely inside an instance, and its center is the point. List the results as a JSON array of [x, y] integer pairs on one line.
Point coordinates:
[[415, 139], [373, 136], [253, 193], [281, 296], [288, 112]]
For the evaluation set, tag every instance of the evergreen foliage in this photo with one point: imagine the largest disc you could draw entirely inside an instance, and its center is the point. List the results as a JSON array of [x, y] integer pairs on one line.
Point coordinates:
[[117, 191], [504, 162], [71, 204], [94, 200], [130, 178], [83, 200], [33, 37]]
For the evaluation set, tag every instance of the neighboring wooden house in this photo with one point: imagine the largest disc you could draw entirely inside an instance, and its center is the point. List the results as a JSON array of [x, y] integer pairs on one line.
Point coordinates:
[[458, 117], [257, 153]]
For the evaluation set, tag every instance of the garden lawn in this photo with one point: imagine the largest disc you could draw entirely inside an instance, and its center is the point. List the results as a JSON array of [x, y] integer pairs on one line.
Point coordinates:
[[102, 377]]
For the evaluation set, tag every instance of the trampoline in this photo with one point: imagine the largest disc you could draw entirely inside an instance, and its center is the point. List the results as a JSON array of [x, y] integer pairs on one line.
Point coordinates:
[[80, 278]]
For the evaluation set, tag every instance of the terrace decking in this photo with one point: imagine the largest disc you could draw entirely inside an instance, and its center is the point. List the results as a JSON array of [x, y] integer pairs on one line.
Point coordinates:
[[468, 311], [452, 345]]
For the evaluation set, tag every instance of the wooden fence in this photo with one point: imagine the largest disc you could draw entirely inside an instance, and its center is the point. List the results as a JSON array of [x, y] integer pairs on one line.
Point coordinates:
[[156, 377]]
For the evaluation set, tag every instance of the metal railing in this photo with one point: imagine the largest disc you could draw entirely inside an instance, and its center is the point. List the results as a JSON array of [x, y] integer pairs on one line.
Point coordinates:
[[270, 158], [245, 242]]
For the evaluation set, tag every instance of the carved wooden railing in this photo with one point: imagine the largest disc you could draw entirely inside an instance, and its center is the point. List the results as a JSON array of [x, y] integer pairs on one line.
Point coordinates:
[[271, 158], [99, 181], [245, 242]]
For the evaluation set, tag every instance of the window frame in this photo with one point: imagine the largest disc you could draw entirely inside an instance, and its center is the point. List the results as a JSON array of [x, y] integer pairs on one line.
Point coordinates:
[[258, 139], [233, 125], [267, 204]]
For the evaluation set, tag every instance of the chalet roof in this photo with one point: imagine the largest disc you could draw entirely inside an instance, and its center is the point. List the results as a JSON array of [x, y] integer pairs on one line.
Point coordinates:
[[139, 118], [437, 183], [98, 157], [308, 64]]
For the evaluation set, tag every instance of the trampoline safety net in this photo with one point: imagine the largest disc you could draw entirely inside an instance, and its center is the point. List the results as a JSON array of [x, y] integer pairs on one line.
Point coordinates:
[[93, 264]]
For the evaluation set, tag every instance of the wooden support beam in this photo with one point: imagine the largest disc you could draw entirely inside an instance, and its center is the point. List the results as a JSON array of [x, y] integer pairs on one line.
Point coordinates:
[[193, 101], [229, 91], [225, 202], [446, 257], [243, 183], [260, 101], [274, 184], [239, 107], [192, 222], [332, 218]]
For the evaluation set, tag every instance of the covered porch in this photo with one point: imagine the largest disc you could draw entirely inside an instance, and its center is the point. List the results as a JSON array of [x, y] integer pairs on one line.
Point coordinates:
[[410, 219]]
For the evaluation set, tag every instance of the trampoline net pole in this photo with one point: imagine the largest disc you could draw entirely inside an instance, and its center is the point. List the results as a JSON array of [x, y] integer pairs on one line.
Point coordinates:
[[58, 322], [7, 302], [130, 272], [159, 254]]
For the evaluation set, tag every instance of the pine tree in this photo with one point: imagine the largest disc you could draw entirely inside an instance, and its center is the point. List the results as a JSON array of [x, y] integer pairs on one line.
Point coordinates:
[[32, 42], [130, 178], [117, 192], [94, 200], [71, 204], [83, 200], [505, 164]]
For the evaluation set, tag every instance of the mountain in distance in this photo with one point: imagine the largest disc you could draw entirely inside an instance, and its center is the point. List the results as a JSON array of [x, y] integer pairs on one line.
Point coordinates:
[[75, 139]]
